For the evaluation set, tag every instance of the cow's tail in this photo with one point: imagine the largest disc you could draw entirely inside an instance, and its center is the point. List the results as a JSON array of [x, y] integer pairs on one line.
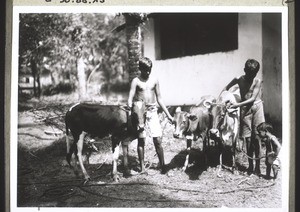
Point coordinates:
[[67, 129]]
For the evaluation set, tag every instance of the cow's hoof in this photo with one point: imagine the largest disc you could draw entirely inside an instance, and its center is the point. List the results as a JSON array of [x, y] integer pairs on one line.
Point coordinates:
[[86, 180], [127, 174], [220, 175], [144, 172], [235, 172], [249, 172], [268, 177], [116, 178], [170, 174], [164, 170], [258, 173]]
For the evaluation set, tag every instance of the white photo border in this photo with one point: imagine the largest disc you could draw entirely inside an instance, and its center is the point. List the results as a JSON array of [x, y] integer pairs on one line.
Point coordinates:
[[286, 124]]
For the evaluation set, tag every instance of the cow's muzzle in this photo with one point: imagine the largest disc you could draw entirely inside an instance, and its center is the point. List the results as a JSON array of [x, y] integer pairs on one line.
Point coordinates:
[[176, 135], [214, 133], [140, 127]]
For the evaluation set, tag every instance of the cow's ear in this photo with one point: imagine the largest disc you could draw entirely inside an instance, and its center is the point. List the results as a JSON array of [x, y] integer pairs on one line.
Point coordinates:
[[192, 117], [178, 109]]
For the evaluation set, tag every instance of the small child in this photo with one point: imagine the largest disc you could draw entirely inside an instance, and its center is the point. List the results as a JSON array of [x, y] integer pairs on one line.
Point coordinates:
[[273, 147]]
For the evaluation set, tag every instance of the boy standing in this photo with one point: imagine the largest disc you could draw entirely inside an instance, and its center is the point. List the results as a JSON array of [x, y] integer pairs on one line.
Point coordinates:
[[252, 112], [144, 93], [273, 147]]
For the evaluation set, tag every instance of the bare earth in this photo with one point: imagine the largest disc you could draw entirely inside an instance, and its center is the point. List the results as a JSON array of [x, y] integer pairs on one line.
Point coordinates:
[[44, 180]]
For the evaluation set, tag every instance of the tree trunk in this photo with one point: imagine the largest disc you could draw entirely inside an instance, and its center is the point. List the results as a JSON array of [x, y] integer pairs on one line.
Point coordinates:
[[133, 35], [39, 85], [34, 72], [81, 78], [77, 39]]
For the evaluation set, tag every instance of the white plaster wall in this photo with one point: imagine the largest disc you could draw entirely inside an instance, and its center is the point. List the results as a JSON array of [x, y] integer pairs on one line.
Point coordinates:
[[184, 80]]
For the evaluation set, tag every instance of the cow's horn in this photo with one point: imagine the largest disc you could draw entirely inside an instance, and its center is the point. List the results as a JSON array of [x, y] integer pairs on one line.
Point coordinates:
[[207, 103], [178, 109]]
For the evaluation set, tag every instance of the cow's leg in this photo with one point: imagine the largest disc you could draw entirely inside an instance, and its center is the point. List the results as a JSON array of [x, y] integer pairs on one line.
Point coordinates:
[[79, 155], [221, 149], [116, 151], [68, 142], [71, 148], [69, 151], [234, 168], [188, 148], [125, 158], [268, 171], [206, 148], [275, 170], [205, 141], [220, 165]]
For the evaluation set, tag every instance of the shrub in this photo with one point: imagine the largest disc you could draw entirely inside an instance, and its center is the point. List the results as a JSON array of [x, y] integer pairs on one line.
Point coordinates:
[[120, 87], [59, 88]]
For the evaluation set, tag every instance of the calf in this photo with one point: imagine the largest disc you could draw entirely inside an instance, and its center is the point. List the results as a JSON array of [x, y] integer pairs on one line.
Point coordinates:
[[193, 124], [225, 124], [98, 121]]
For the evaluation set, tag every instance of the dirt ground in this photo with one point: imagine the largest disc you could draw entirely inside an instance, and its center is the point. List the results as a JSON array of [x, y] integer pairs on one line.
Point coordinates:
[[45, 181]]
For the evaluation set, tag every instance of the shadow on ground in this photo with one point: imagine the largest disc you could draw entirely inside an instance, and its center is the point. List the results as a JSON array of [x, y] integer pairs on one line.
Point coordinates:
[[44, 182]]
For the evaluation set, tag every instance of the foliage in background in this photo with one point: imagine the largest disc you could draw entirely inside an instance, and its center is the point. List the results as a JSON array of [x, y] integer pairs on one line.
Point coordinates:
[[59, 88], [53, 42]]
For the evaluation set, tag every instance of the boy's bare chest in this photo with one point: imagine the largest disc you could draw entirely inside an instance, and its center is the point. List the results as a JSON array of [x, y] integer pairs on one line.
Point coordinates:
[[145, 86]]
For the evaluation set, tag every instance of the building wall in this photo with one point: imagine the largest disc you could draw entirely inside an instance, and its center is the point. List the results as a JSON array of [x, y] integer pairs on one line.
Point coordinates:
[[272, 68], [184, 80]]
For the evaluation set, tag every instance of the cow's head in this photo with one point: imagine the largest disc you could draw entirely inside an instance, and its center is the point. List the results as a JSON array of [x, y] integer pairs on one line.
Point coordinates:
[[138, 115], [182, 121], [220, 112], [223, 117]]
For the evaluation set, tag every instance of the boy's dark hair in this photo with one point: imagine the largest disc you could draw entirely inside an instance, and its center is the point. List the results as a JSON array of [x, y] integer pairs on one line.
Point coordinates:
[[145, 63], [252, 65], [265, 127]]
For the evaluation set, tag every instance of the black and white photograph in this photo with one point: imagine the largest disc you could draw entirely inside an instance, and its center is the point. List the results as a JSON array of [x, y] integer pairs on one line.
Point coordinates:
[[149, 107]]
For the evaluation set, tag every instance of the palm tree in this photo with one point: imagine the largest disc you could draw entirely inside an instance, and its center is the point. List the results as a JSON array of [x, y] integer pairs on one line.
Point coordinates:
[[134, 40]]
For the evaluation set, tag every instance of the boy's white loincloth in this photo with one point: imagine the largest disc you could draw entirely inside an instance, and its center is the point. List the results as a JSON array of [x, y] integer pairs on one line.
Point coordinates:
[[152, 123]]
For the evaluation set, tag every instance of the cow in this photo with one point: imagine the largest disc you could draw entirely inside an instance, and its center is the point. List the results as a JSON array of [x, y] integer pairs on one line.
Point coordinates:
[[192, 124], [99, 121], [225, 125]]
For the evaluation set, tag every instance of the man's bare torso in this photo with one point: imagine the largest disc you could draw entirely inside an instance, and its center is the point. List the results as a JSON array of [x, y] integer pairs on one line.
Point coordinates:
[[247, 87], [145, 90]]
